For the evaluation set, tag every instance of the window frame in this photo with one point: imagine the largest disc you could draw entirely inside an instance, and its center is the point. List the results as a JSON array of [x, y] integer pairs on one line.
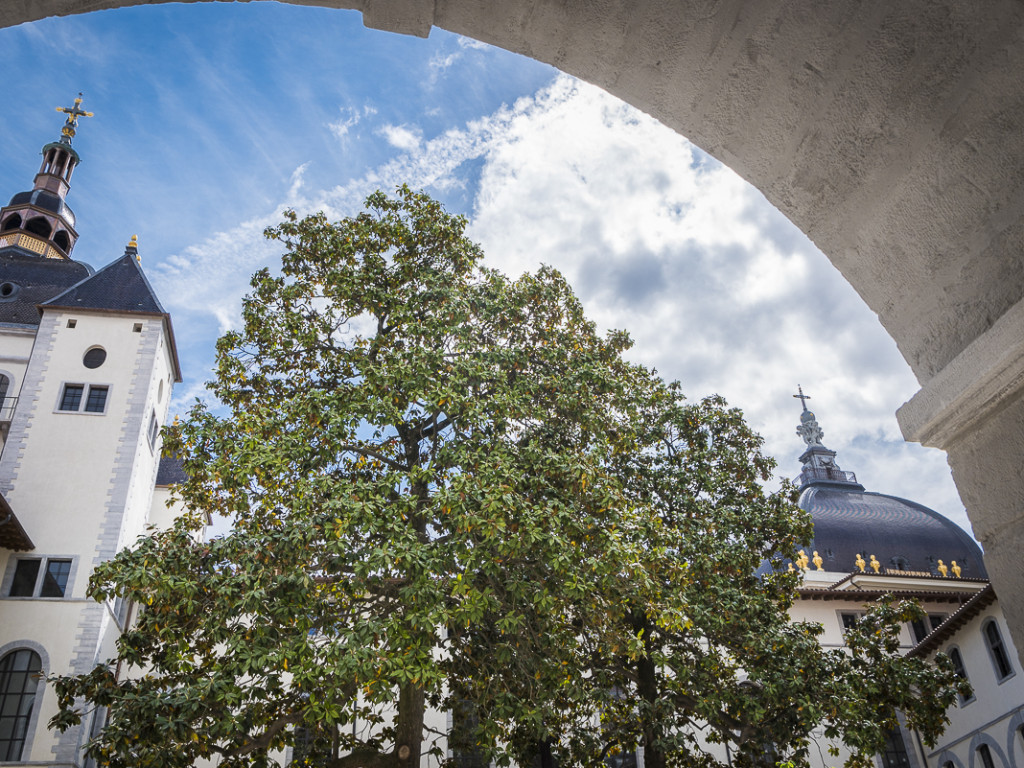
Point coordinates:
[[928, 624], [31, 717], [840, 615], [961, 670], [997, 651], [84, 399], [40, 577], [153, 430]]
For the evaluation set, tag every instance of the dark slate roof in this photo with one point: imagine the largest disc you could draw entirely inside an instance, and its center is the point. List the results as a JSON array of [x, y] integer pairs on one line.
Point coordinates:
[[900, 533], [170, 471], [120, 286], [31, 281]]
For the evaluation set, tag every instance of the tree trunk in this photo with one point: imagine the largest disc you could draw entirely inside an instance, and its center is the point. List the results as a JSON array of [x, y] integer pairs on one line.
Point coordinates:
[[647, 687], [409, 727]]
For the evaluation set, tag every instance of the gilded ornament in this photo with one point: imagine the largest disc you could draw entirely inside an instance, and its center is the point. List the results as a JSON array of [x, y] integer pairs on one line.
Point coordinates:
[[943, 569], [875, 565]]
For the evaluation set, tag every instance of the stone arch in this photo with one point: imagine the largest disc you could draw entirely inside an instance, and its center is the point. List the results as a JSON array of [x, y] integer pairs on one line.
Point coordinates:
[[995, 750], [890, 133], [947, 758], [1015, 738]]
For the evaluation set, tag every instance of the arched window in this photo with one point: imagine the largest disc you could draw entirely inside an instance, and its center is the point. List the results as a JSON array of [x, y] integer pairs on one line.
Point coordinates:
[[961, 671], [985, 754], [997, 650], [11, 222], [62, 241], [39, 226], [19, 680], [895, 753]]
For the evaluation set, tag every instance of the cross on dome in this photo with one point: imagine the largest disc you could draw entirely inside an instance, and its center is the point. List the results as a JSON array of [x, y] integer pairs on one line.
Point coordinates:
[[802, 397], [67, 133]]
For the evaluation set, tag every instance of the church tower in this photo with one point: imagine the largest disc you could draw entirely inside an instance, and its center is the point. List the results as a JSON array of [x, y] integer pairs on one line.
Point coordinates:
[[39, 221], [87, 364]]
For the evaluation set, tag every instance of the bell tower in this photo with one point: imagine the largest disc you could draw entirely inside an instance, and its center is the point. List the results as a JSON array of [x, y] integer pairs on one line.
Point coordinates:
[[39, 222]]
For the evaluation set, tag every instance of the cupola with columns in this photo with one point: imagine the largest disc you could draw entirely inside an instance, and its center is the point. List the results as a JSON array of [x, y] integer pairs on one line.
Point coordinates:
[[39, 222]]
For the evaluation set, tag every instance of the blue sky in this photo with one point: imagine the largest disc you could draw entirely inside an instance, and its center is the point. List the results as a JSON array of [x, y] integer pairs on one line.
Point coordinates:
[[212, 118]]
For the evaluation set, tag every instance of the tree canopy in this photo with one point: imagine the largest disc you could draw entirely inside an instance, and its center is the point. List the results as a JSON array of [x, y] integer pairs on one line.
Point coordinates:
[[447, 491]]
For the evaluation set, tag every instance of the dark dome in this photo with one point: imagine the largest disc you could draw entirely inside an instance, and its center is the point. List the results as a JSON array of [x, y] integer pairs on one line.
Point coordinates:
[[902, 534], [46, 200]]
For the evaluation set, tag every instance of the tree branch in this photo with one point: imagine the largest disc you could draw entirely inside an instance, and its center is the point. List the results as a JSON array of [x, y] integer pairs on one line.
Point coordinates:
[[375, 455]]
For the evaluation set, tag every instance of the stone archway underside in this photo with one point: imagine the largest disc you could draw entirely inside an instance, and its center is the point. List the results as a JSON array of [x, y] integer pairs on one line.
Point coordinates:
[[892, 134]]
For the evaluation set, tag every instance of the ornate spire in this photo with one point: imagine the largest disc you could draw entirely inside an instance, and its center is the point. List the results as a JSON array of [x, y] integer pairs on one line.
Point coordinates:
[[67, 133], [808, 429], [39, 222], [819, 462]]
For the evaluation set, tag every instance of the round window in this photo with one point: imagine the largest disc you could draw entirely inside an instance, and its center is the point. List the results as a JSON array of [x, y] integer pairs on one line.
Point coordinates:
[[8, 290], [94, 357]]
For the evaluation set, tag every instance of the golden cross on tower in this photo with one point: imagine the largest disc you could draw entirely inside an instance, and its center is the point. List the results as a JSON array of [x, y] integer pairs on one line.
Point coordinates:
[[802, 397], [73, 113]]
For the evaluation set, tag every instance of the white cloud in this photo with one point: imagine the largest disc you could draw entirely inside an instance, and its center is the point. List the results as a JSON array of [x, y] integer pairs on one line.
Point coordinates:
[[469, 42], [402, 137], [716, 287]]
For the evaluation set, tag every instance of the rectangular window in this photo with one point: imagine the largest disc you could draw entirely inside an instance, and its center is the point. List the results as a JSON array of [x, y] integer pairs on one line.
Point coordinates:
[[75, 398], [55, 580], [25, 573], [1000, 659], [97, 400], [72, 397], [41, 577], [849, 620], [921, 628]]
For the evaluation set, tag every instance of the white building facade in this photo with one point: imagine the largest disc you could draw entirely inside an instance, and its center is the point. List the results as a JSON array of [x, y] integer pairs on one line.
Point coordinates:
[[87, 364]]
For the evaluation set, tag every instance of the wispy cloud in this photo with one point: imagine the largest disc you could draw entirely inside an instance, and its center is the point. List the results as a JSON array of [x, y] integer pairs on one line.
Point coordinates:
[[349, 119]]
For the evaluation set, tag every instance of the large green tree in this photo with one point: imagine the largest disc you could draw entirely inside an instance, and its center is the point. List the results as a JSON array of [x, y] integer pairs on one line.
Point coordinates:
[[446, 490]]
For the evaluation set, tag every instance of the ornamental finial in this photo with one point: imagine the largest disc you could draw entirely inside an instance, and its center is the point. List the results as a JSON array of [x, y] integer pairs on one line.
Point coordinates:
[[860, 562], [809, 429], [955, 568], [943, 569], [67, 132]]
